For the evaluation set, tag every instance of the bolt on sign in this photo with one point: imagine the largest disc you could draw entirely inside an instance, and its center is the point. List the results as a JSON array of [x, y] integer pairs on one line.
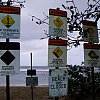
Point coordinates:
[[9, 22], [57, 23], [91, 55], [90, 32], [58, 82], [9, 58], [57, 53]]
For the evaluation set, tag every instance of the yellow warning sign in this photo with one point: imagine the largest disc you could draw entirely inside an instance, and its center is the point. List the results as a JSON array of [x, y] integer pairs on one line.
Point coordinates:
[[58, 22], [8, 21], [57, 52], [93, 55]]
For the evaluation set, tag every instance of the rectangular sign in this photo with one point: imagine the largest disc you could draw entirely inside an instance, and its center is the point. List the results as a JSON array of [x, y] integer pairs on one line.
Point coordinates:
[[57, 53], [91, 55], [31, 72], [9, 22], [90, 32], [57, 23], [31, 81], [58, 82], [9, 58]]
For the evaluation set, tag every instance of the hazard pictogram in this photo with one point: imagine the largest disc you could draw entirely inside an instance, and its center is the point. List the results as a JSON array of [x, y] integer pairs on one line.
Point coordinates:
[[57, 52], [93, 55], [58, 22], [8, 21], [7, 57]]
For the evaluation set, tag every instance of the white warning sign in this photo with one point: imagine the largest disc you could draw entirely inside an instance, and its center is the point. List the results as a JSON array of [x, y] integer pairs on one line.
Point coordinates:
[[91, 55], [9, 58], [90, 32], [9, 22], [58, 82], [57, 23], [57, 53]]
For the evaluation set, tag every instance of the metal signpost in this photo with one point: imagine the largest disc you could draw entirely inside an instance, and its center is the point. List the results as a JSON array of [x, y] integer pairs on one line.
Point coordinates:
[[57, 53], [9, 29], [91, 50], [31, 81]]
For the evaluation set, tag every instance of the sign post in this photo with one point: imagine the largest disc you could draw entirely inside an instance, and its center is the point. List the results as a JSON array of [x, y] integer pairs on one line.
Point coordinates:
[[9, 28], [57, 53], [31, 77], [92, 58], [31, 81]]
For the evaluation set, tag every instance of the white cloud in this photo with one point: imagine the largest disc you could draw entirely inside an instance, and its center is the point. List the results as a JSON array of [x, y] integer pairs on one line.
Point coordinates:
[[38, 48]]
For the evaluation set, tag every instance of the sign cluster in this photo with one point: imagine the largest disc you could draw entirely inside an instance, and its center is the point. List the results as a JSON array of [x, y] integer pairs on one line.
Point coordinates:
[[57, 53], [9, 29], [31, 81], [92, 48]]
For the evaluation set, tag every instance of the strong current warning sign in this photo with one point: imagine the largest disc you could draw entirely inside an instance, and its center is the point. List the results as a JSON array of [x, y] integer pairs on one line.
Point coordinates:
[[9, 22], [91, 55], [57, 53]]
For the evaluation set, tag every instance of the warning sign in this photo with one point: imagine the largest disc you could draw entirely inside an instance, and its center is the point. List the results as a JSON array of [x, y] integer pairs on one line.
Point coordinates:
[[57, 23], [58, 82], [90, 33], [9, 22], [9, 58], [91, 55], [57, 53]]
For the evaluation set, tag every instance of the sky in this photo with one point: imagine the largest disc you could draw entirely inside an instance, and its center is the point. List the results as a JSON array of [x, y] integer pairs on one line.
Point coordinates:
[[31, 33]]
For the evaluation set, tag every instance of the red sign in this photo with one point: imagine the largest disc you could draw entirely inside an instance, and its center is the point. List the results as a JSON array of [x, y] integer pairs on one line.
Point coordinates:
[[9, 9]]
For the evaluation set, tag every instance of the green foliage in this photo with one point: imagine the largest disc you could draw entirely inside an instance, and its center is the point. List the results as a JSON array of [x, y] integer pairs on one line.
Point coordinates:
[[80, 81]]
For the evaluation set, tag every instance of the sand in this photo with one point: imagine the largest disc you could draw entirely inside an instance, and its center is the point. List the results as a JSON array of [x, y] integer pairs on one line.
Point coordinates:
[[39, 93], [24, 93]]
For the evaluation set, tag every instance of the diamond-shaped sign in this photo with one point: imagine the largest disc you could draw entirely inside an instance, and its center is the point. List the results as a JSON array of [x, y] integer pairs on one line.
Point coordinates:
[[58, 22], [7, 57], [93, 55], [57, 52], [8, 21]]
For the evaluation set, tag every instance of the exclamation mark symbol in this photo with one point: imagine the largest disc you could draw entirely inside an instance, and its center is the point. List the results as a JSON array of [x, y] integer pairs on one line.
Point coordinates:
[[8, 24]]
